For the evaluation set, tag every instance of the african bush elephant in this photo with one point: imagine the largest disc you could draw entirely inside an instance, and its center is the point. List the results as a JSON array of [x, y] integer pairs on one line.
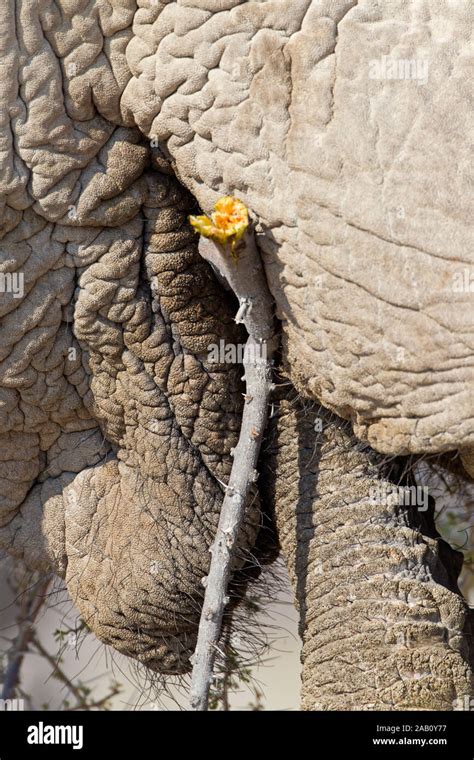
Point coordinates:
[[342, 126]]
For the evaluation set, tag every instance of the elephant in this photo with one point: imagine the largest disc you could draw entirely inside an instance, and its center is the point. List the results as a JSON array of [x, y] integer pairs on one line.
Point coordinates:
[[341, 125]]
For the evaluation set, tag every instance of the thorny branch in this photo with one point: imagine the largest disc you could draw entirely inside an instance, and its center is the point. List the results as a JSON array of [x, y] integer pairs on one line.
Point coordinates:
[[247, 279], [57, 672], [78, 691], [32, 601]]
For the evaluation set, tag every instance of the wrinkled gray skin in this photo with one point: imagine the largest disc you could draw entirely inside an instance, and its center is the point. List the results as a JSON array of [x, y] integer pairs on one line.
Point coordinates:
[[116, 430]]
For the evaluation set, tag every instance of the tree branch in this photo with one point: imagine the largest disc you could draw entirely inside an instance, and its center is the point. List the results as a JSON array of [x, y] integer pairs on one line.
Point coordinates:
[[247, 279], [83, 702], [57, 672], [32, 601]]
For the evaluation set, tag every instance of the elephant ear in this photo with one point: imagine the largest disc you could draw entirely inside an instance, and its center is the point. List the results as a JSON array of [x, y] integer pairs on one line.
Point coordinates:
[[298, 109]]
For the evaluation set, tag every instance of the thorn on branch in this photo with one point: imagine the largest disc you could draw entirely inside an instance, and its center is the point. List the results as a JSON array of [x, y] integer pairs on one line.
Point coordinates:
[[244, 310]]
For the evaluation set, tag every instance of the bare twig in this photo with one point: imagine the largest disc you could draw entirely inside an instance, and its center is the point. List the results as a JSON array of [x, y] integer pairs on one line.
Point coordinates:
[[32, 601], [98, 704], [83, 701], [57, 672], [247, 279]]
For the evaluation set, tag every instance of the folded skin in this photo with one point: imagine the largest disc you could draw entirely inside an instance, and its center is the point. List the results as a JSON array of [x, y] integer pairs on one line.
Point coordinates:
[[323, 117], [116, 428]]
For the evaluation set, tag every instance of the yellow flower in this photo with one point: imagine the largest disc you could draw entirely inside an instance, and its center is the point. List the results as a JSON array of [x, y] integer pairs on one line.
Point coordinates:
[[227, 224]]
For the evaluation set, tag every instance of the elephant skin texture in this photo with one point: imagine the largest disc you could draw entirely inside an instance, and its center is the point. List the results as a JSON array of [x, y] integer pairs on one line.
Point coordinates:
[[118, 119], [342, 125]]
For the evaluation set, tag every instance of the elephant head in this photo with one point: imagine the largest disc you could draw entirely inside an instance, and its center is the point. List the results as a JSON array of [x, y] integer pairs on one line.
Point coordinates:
[[331, 122]]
